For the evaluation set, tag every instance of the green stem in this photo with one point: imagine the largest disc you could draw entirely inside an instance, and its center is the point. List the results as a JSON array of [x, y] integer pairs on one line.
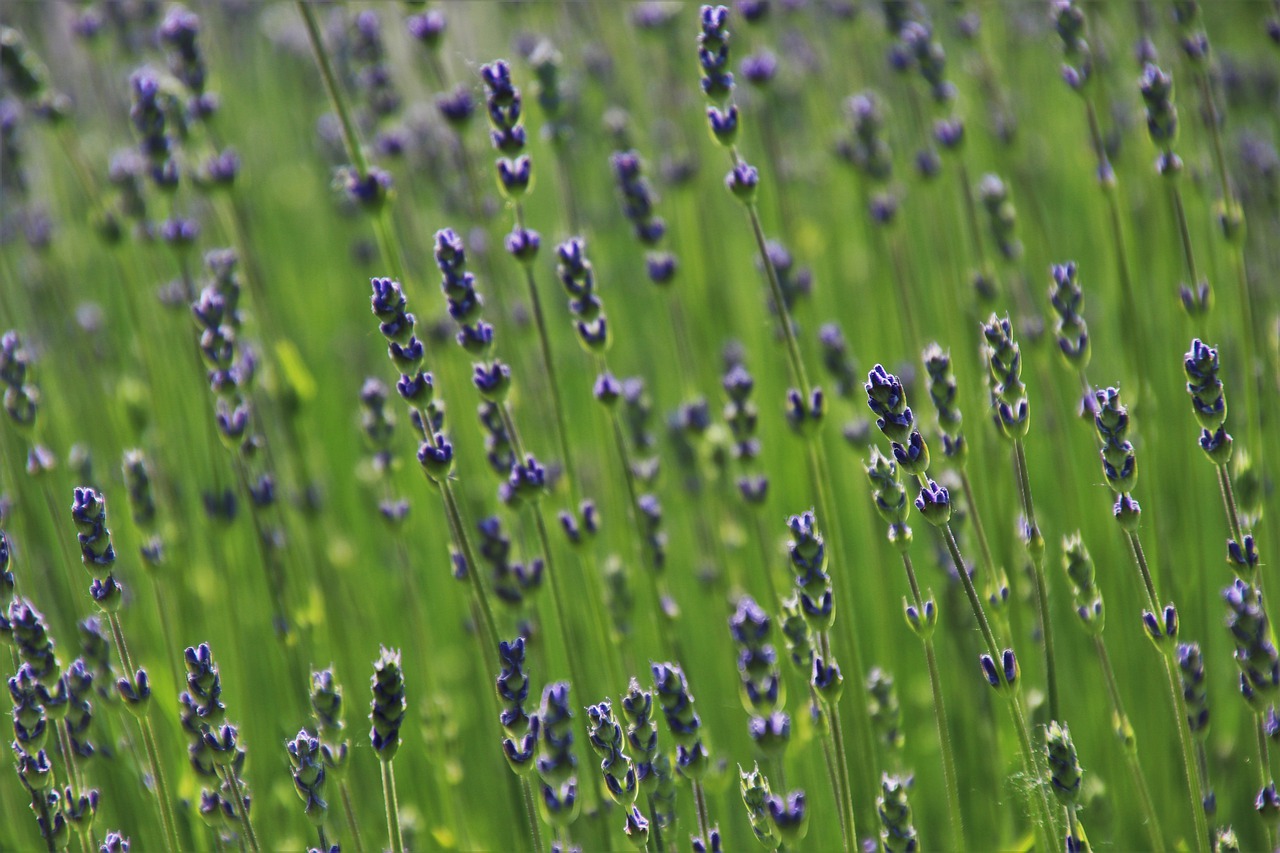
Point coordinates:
[[1184, 233], [700, 802], [241, 810], [1229, 504], [1044, 824], [1150, 819], [392, 804], [983, 545], [1264, 774], [531, 814], [1188, 753], [950, 778], [349, 136], [833, 777], [1110, 193], [356, 841], [463, 543], [650, 571], [1041, 581], [548, 365], [1140, 558], [841, 754]]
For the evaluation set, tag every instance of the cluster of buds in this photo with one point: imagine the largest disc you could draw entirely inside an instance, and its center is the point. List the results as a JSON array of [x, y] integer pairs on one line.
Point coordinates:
[[759, 679]]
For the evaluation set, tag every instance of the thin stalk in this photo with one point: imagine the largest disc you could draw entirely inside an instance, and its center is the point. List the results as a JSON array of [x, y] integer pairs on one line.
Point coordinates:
[[656, 841], [162, 786], [651, 572], [558, 601], [1229, 503], [833, 777], [818, 469], [1140, 558], [1132, 318], [392, 803], [1041, 580], [950, 778], [464, 544], [548, 365], [798, 374], [1031, 766], [845, 791], [700, 801], [1188, 754], [1044, 819], [531, 815], [1150, 819], [983, 545], [1176, 700], [602, 636], [349, 136], [356, 841], [1184, 233], [1264, 774], [242, 811]]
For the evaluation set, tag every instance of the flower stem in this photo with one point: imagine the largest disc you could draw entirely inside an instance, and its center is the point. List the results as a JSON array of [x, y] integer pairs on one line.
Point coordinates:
[[1150, 819], [939, 717], [241, 809], [356, 841], [1038, 574], [531, 814], [393, 807]]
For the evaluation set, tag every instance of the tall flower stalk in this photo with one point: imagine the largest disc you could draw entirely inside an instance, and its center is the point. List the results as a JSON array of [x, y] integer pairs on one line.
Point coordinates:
[[888, 401], [921, 610], [1087, 598], [1120, 467], [1255, 645], [805, 404], [1013, 417], [89, 512]]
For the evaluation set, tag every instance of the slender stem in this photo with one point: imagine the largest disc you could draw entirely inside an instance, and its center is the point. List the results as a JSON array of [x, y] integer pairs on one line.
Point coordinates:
[[558, 601], [356, 841], [700, 802], [978, 528], [1188, 753], [1031, 766], [1150, 819], [957, 559], [650, 571], [939, 717], [1229, 503], [1132, 317], [242, 811], [535, 831], [798, 374], [464, 544], [349, 136], [392, 806], [162, 786], [1041, 581], [818, 472], [1264, 774], [548, 365], [1140, 558], [841, 754], [1184, 233], [833, 777], [950, 778]]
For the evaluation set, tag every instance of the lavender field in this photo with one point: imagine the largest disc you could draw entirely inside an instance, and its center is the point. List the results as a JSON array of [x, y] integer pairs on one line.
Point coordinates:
[[528, 425]]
